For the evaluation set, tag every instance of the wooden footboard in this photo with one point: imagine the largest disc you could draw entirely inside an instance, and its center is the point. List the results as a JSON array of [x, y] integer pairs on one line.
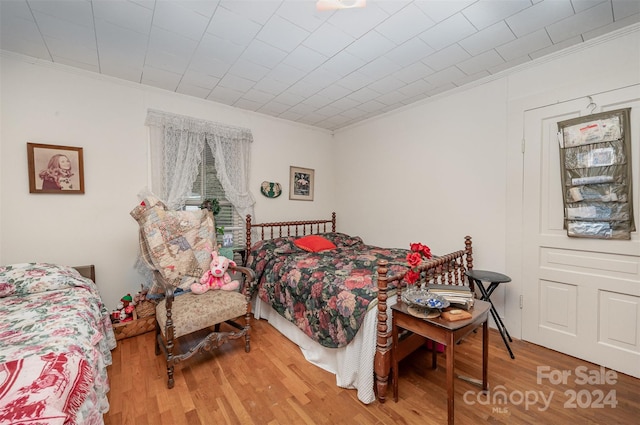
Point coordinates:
[[446, 269]]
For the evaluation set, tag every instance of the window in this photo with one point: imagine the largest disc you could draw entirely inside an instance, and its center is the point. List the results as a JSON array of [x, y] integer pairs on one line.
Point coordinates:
[[207, 186]]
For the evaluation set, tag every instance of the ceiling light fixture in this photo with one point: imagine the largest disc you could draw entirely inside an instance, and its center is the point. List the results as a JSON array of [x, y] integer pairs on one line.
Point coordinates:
[[323, 5]]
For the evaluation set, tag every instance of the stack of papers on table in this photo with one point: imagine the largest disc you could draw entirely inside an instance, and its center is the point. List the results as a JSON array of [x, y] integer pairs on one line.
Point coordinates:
[[458, 295]]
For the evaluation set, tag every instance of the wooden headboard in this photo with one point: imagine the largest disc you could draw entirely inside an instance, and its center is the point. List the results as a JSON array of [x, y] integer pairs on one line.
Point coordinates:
[[288, 228], [87, 271]]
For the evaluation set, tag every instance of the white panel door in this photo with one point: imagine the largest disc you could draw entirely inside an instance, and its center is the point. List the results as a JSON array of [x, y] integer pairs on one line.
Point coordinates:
[[580, 296]]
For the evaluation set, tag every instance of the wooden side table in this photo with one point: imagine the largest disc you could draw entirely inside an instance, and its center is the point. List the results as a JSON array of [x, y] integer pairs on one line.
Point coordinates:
[[446, 333]]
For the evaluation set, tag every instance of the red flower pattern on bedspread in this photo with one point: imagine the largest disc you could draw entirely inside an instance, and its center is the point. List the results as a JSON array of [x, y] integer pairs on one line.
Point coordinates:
[[326, 294]]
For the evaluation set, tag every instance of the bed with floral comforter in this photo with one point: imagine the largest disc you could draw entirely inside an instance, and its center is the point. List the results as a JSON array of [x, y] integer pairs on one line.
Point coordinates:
[[55, 345], [326, 294]]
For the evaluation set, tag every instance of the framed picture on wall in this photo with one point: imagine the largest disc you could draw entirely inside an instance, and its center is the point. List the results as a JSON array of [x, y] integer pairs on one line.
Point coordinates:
[[55, 169], [301, 183]]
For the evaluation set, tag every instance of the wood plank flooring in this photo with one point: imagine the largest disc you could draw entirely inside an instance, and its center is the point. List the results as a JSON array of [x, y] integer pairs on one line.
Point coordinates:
[[274, 384]]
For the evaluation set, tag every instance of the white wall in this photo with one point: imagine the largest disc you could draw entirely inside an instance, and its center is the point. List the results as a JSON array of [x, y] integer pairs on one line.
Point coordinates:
[[49, 104], [452, 166]]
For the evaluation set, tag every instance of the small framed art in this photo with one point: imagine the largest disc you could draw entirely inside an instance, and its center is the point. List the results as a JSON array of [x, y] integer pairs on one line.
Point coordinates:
[[55, 169], [301, 183]]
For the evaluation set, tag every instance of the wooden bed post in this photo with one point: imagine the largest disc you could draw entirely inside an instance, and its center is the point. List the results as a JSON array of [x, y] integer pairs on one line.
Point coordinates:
[[248, 239], [333, 222], [382, 361]]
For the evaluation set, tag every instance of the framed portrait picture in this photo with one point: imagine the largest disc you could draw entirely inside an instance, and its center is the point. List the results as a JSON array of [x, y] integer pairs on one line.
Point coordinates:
[[55, 169], [301, 183]]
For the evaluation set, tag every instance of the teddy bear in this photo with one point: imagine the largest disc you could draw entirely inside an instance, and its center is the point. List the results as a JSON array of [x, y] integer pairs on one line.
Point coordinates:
[[216, 277]]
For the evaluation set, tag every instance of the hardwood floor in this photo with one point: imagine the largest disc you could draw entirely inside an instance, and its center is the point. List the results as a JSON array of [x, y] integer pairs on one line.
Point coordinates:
[[273, 384]]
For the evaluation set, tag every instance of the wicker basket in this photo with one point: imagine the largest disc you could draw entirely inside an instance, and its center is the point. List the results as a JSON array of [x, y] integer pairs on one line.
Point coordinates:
[[146, 308], [134, 327]]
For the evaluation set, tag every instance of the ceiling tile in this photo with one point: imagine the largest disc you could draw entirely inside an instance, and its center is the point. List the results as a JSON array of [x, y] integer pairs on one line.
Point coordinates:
[[199, 79], [555, 47], [302, 14], [487, 39], [625, 8], [259, 11], [413, 72], [355, 81], [286, 74], [282, 34], [334, 92], [445, 76], [258, 96], [304, 58], [388, 84], [247, 104], [126, 15], [523, 46], [328, 40], [170, 42], [235, 82], [487, 12], [160, 78], [419, 86], [448, 32], [587, 20], [65, 31], [77, 12], [74, 52], [539, 16], [370, 46], [379, 68], [342, 64], [225, 95], [233, 27], [409, 52], [358, 22], [614, 26], [217, 53], [273, 108], [249, 70], [446, 57], [192, 90], [365, 94], [480, 62], [176, 18], [439, 10], [264, 54], [582, 5], [406, 23], [270, 85]]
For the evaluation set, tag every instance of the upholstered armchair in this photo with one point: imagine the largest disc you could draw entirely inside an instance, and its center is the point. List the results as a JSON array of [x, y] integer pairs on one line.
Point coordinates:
[[176, 246]]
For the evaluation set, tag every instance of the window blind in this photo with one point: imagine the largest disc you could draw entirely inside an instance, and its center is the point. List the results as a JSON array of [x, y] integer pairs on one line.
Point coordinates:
[[207, 186]]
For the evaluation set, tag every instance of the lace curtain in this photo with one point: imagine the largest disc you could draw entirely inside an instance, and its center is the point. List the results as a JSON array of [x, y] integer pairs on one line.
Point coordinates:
[[177, 143]]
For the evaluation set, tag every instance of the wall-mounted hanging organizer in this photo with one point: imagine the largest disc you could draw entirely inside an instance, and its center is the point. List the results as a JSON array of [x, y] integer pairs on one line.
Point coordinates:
[[595, 161]]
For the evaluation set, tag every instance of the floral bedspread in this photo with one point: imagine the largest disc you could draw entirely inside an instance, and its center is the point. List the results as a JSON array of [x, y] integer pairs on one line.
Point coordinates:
[[326, 294], [49, 309]]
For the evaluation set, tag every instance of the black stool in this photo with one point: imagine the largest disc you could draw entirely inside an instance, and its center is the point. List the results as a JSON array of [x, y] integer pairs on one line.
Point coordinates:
[[494, 279]]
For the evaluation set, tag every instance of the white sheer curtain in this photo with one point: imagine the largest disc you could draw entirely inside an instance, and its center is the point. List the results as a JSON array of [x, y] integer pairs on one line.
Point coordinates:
[[177, 143]]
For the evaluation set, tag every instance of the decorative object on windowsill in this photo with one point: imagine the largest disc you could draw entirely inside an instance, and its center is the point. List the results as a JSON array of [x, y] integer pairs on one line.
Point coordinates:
[[270, 189], [213, 205]]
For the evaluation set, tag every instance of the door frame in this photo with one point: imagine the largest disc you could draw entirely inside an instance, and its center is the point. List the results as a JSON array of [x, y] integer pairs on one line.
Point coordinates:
[[514, 245]]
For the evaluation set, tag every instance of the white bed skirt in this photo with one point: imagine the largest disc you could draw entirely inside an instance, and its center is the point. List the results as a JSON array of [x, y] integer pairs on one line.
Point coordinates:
[[352, 364]]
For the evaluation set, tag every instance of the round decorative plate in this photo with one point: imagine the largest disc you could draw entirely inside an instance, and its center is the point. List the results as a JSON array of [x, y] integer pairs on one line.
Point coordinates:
[[270, 189], [424, 299]]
